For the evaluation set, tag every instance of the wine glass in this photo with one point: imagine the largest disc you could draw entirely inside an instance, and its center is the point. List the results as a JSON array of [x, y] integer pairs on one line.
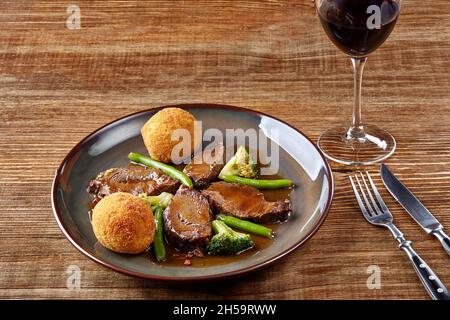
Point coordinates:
[[357, 27]]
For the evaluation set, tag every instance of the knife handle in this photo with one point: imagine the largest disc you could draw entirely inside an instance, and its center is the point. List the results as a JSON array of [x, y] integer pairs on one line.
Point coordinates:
[[443, 238], [430, 280]]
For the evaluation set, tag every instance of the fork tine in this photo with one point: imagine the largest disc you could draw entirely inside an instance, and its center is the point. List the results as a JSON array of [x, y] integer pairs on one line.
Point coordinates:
[[366, 201], [374, 203], [377, 194], [359, 200]]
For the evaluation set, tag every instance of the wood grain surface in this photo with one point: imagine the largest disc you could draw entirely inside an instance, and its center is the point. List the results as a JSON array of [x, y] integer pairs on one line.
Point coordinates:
[[57, 85]]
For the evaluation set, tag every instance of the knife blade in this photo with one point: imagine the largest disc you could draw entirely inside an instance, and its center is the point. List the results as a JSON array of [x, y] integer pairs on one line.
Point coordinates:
[[414, 207]]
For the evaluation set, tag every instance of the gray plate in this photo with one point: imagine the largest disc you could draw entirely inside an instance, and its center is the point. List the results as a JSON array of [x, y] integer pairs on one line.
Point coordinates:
[[300, 160]]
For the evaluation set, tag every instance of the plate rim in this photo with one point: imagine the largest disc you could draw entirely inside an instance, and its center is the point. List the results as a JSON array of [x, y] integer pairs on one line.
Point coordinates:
[[218, 276]]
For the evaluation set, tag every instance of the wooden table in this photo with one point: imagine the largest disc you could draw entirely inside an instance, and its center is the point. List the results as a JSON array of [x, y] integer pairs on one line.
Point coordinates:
[[57, 85]]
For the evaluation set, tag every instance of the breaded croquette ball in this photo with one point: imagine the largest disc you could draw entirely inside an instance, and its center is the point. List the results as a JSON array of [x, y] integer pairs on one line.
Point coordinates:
[[157, 132], [124, 223]]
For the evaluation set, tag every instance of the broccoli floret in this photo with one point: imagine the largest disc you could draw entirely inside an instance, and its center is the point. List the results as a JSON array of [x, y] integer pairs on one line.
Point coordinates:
[[228, 241], [241, 164], [162, 200]]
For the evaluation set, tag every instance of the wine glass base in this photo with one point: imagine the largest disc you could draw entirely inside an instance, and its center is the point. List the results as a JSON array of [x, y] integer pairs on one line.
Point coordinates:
[[375, 146]]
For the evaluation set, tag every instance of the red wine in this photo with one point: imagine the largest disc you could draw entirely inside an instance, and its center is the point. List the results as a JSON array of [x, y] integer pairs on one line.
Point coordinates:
[[346, 23]]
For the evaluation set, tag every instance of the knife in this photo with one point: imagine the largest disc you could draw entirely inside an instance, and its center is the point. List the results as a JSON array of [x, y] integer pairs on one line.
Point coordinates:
[[414, 207]]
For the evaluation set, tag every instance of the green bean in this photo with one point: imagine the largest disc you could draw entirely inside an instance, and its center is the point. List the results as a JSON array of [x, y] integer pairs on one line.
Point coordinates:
[[158, 242], [260, 184], [167, 169], [246, 226]]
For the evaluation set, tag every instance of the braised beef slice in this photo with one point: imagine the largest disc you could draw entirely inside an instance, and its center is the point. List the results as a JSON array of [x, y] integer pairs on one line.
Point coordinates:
[[134, 180], [187, 220], [245, 202], [205, 166]]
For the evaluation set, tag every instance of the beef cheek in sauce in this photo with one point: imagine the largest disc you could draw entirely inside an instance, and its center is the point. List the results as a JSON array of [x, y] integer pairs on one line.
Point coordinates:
[[245, 202], [134, 180], [187, 220], [205, 166]]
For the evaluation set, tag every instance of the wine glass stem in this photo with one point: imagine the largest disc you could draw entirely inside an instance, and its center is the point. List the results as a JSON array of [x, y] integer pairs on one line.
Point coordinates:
[[356, 130]]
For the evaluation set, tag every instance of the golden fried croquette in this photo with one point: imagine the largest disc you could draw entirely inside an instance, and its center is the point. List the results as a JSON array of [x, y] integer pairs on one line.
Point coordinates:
[[123, 223], [157, 132]]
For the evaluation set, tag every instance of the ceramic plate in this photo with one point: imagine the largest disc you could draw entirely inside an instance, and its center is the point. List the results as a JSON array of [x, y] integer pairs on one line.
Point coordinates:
[[107, 147]]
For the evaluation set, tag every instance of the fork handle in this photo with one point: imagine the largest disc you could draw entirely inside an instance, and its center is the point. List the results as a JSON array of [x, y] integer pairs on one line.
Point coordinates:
[[436, 289], [430, 280]]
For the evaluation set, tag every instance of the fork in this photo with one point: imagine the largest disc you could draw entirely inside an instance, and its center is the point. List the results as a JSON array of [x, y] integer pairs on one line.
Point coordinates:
[[378, 214]]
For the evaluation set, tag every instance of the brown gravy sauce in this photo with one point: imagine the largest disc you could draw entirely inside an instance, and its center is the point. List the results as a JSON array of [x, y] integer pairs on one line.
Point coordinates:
[[176, 258]]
